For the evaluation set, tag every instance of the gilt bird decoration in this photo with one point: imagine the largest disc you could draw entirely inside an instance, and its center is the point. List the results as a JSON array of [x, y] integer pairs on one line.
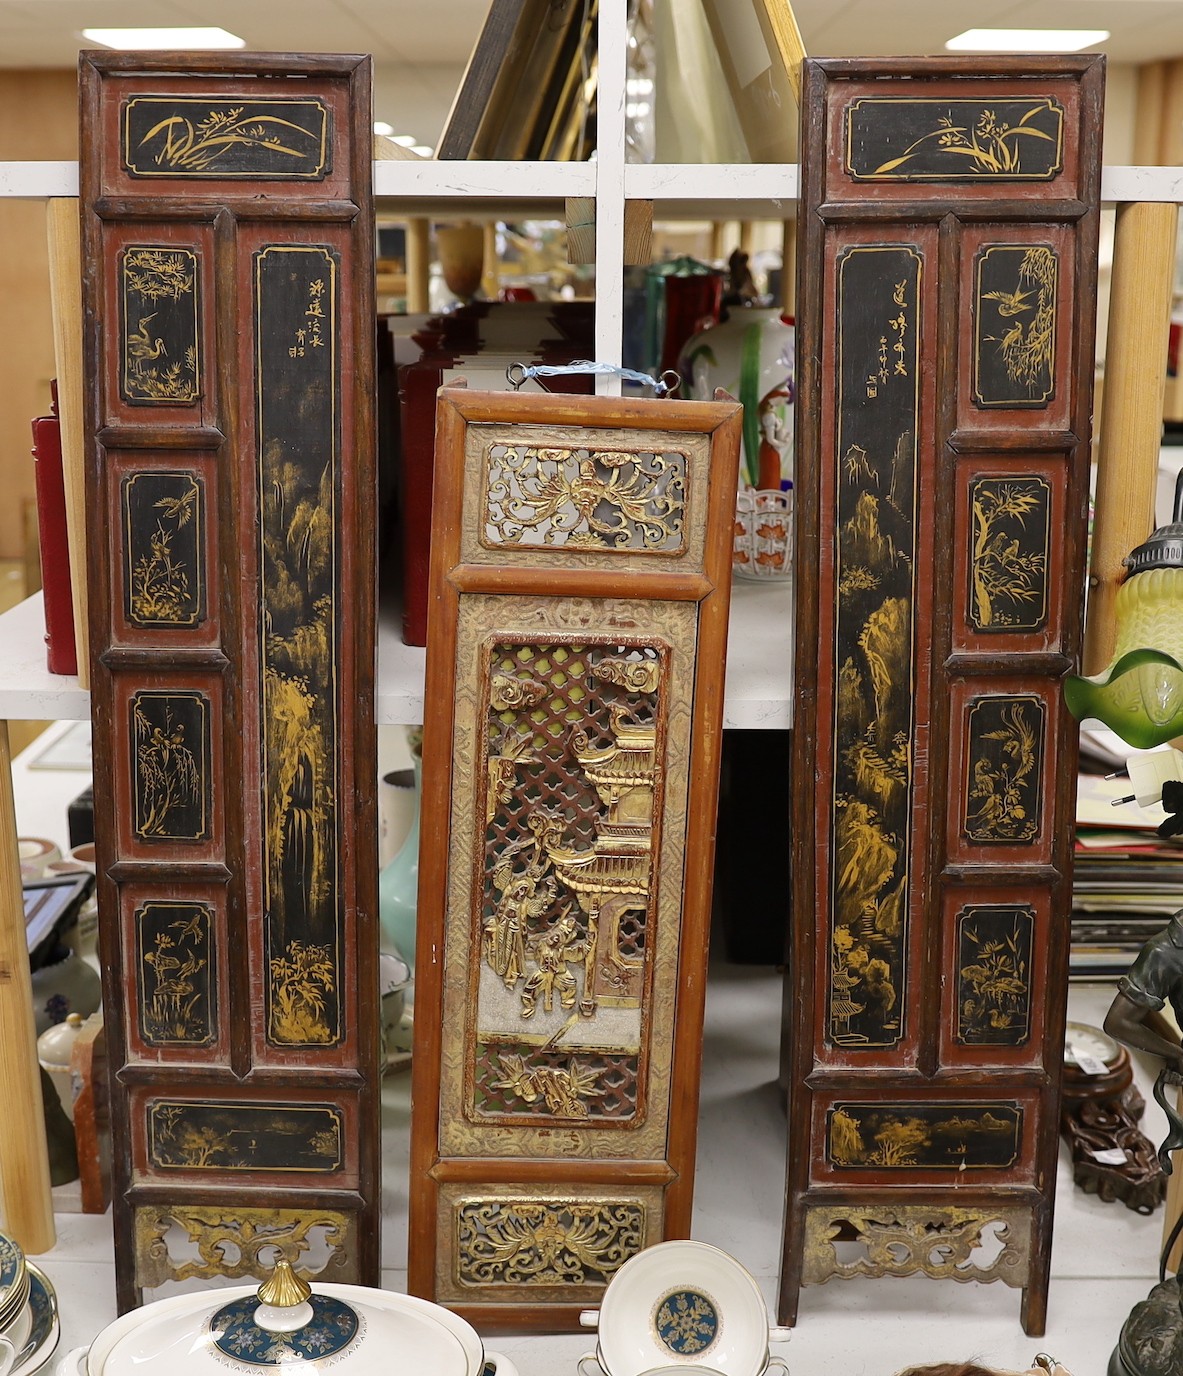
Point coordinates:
[[142, 347], [1009, 302]]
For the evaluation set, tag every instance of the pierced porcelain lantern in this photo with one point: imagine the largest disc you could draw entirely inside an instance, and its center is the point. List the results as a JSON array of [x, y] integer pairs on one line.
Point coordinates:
[[1140, 694]]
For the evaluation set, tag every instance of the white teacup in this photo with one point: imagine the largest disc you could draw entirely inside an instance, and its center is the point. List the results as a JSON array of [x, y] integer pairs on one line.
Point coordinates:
[[674, 1368]]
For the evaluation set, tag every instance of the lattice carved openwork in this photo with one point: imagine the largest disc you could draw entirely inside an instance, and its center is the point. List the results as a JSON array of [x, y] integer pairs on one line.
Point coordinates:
[[581, 563], [945, 1243], [238, 1242]]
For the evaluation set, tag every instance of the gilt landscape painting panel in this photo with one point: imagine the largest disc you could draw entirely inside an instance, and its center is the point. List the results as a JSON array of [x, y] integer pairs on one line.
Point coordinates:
[[193, 1135], [924, 1136], [878, 309], [575, 733], [297, 376]]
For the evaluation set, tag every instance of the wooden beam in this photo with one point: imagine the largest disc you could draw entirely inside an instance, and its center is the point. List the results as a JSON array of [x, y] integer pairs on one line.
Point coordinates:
[[1132, 407], [24, 1160], [418, 264], [788, 40]]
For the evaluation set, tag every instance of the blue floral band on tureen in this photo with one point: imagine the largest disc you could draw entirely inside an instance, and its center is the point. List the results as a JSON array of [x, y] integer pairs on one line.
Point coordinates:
[[235, 1333], [687, 1322]]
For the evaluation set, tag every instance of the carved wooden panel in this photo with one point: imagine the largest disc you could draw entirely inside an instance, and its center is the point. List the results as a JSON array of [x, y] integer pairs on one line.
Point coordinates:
[[946, 300], [580, 581], [228, 230]]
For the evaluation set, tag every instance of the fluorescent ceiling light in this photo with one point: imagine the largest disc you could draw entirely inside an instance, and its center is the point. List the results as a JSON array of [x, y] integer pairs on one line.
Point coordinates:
[[1026, 40], [381, 127], [404, 140], [422, 149], [180, 40]]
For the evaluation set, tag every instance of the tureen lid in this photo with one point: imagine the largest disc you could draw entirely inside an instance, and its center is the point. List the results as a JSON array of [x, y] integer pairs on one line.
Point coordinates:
[[284, 1326]]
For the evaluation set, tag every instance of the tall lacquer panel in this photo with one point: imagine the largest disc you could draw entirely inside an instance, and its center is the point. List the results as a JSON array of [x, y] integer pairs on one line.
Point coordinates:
[[947, 299], [227, 231]]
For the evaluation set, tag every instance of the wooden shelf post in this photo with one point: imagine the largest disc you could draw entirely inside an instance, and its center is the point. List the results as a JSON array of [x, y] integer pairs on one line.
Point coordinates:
[[1131, 407]]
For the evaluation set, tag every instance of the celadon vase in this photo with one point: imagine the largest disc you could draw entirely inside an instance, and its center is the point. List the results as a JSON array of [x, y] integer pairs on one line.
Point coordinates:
[[398, 887]]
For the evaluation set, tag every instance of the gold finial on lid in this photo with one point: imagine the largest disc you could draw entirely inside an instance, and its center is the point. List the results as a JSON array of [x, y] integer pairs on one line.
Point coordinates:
[[283, 1288]]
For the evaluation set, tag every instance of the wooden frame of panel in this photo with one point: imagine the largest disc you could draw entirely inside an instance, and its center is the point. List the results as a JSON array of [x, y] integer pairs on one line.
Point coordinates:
[[669, 603], [921, 157], [228, 244]]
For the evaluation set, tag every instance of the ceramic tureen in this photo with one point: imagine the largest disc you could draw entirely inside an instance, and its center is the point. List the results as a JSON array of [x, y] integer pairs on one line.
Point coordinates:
[[285, 1326]]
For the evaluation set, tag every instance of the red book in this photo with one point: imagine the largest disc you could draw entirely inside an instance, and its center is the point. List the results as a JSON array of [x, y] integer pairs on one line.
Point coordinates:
[[61, 653]]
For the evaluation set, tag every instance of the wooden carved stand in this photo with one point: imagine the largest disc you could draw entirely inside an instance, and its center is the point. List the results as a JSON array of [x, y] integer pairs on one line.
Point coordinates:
[[227, 231], [946, 297], [580, 578]]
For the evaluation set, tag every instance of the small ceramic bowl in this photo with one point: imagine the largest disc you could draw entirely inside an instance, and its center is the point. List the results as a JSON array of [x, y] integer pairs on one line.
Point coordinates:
[[682, 1304]]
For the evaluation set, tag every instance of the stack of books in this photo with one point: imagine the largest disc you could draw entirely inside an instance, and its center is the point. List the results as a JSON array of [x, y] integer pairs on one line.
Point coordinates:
[[1127, 881]]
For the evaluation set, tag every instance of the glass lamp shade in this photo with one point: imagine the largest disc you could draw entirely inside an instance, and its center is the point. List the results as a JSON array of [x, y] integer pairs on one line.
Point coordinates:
[[1140, 694]]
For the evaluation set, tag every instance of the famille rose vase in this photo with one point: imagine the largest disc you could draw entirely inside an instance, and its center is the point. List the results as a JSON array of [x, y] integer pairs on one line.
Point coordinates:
[[751, 354]]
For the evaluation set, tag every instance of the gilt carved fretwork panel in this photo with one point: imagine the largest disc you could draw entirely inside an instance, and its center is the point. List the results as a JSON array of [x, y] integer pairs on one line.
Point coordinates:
[[580, 586]]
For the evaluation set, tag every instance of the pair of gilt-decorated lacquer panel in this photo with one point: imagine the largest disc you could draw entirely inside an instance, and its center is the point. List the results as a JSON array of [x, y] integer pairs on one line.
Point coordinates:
[[223, 410], [945, 613], [563, 906]]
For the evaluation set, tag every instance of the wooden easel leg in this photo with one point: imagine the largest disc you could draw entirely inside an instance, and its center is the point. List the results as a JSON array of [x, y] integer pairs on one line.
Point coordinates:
[[792, 1263], [24, 1160], [1034, 1307]]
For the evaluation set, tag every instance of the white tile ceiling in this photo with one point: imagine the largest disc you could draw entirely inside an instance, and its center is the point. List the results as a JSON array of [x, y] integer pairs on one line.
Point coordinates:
[[420, 46]]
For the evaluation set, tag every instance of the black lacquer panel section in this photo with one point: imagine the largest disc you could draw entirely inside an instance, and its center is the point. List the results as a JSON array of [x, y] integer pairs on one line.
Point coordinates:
[[1008, 560], [878, 296], [1015, 298], [919, 1136], [923, 139], [297, 382], [204, 136], [1004, 760], [177, 1001], [160, 325], [163, 516], [216, 1135], [994, 974], [170, 765]]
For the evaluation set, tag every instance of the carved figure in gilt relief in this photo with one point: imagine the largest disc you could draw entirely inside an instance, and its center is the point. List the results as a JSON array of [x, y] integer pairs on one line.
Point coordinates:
[[572, 770]]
